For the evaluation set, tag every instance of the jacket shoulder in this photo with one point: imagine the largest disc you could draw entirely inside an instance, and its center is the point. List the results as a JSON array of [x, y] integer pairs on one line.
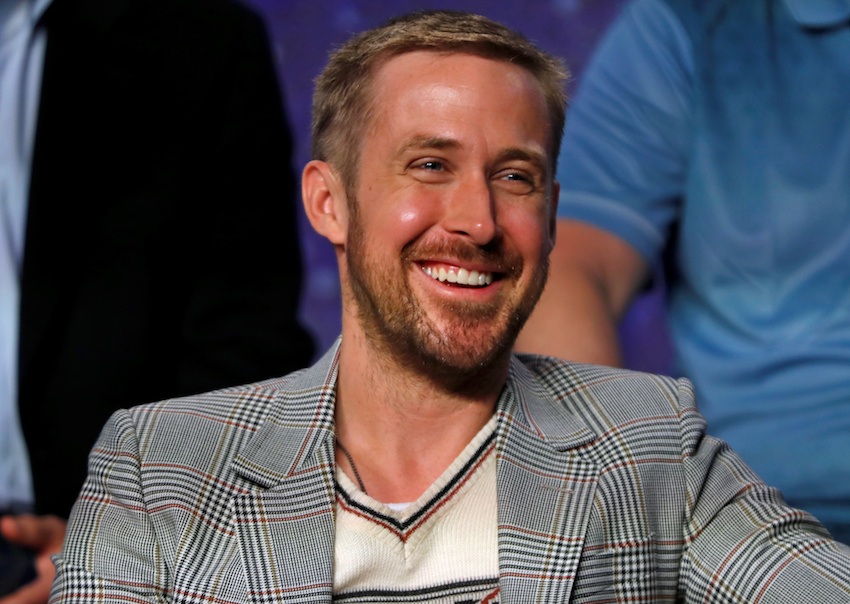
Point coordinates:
[[610, 395], [240, 408]]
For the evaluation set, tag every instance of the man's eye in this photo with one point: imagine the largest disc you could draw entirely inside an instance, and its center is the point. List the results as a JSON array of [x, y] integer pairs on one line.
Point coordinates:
[[430, 171], [517, 177], [432, 165], [517, 182]]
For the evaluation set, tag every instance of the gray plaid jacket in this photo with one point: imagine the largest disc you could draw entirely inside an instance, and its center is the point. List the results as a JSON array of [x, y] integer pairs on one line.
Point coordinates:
[[608, 489]]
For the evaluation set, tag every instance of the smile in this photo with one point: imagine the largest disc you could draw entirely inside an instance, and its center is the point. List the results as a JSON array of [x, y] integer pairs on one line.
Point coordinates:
[[460, 276]]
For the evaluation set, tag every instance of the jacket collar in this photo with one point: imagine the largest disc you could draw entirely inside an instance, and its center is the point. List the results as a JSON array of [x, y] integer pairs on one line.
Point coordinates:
[[301, 421], [819, 13], [300, 424], [527, 401]]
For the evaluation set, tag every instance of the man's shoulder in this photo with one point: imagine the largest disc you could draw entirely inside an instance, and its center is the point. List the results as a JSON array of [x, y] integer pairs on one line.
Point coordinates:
[[245, 406], [565, 374], [694, 15], [597, 389]]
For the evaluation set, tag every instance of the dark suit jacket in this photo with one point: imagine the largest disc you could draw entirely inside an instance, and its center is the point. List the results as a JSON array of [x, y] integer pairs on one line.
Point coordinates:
[[161, 249]]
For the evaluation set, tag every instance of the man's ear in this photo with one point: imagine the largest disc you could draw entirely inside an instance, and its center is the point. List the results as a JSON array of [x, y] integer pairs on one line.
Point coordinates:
[[325, 201]]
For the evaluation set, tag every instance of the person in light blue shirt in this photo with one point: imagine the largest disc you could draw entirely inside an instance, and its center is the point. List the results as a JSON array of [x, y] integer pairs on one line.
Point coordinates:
[[21, 58], [716, 134]]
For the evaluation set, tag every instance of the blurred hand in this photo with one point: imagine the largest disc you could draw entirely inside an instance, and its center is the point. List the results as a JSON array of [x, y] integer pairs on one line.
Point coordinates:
[[44, 535]]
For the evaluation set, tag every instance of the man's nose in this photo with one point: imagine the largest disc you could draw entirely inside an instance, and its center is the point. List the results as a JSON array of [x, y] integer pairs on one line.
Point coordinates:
[[471, 211]]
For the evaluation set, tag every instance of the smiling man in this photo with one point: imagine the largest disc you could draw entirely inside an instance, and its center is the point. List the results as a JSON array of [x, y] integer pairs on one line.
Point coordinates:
[[420, 460]]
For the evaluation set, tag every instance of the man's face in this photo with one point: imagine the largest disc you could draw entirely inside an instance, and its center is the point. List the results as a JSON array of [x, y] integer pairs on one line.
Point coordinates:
[[451, 228]]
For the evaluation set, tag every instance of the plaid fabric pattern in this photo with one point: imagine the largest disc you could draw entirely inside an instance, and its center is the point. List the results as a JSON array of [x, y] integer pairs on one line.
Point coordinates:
[[608, 491]]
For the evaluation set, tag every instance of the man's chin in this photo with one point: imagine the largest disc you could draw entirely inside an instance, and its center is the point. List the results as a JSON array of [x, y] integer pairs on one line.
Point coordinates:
[[459, 373], [462, 356]]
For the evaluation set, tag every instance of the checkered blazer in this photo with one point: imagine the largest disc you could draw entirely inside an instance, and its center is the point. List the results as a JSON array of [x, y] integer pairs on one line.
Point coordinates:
[[608, 489]]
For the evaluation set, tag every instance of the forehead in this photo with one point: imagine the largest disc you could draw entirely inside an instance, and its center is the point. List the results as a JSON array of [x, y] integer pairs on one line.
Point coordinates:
[[459, 96]]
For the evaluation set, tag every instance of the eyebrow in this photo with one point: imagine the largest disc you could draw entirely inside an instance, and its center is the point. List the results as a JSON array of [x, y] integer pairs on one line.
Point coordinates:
[[537, 159], [438, 142], [428, 142]]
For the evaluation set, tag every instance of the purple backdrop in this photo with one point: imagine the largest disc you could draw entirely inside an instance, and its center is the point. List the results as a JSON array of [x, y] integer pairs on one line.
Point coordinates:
[[304, 31]]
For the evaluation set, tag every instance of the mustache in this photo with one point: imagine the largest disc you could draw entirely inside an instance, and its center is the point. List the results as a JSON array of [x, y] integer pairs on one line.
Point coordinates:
[[493, 255]]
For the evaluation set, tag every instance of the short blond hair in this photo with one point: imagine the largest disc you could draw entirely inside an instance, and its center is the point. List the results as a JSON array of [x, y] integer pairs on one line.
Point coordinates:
[[341, 102]]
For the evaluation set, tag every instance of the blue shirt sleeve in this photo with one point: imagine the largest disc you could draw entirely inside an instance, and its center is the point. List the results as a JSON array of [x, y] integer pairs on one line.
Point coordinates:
[[626, 143]]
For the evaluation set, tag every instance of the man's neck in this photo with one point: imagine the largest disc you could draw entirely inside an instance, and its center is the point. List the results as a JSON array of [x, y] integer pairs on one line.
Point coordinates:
[[403, 429]]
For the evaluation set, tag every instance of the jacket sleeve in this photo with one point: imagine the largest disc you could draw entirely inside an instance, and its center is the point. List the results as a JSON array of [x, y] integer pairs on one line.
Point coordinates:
[[111, 552], [743, 543]]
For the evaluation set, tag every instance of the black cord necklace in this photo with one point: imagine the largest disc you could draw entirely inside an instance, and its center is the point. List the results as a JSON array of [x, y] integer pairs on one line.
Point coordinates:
[[353, 467]]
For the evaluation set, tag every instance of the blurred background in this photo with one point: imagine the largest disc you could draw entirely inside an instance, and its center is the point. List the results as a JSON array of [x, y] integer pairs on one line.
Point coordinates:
[[304, 31]]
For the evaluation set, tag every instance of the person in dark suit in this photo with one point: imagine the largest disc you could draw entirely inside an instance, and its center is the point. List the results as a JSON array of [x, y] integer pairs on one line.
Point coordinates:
[[161, 255]]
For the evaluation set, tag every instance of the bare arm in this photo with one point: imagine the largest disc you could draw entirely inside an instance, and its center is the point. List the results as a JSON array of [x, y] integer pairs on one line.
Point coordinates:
[[592, 278]]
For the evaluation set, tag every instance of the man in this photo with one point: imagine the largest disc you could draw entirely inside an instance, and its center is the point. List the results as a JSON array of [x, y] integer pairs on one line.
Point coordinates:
[[714, 136], [419, 460], [152, 241]]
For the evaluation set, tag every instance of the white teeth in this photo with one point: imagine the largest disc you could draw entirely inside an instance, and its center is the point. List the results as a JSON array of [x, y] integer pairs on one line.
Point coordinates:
[[460, 276]]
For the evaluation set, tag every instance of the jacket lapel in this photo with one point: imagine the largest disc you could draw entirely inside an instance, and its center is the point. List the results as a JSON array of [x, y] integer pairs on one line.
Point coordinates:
[[285, 529], [545, 492]]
